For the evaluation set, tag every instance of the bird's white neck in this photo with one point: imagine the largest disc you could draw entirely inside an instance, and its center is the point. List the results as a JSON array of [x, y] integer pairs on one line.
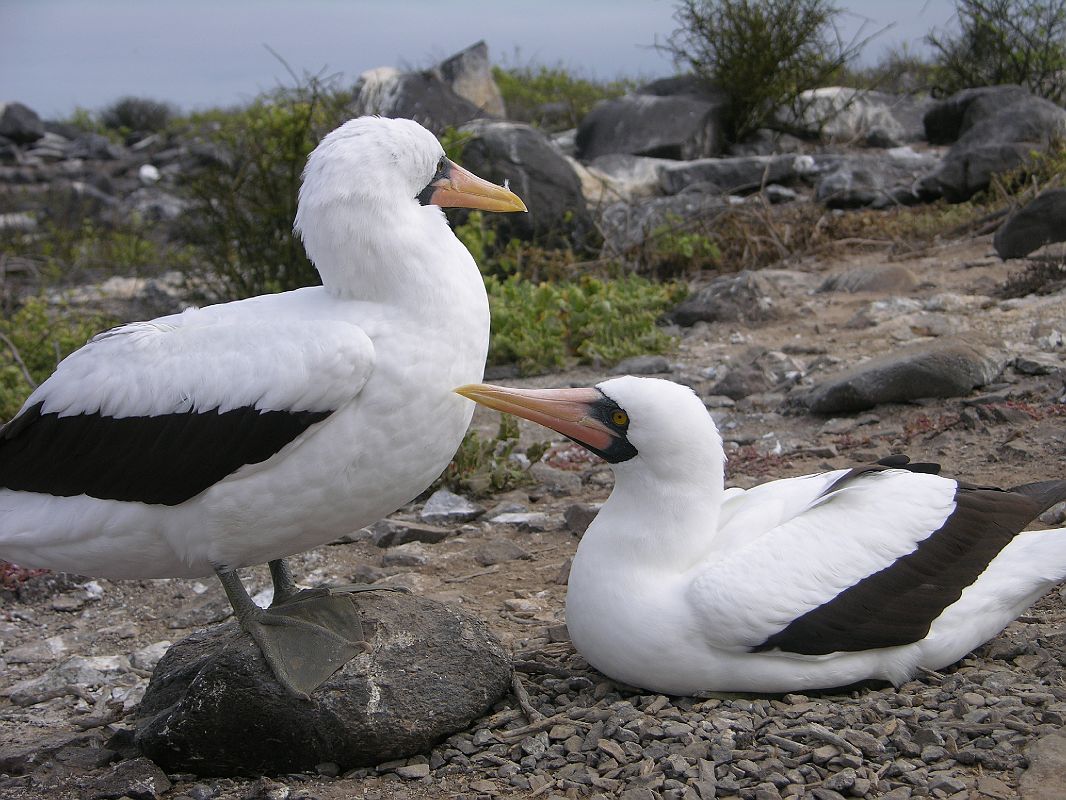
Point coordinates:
[[665, 520], [401, 254]]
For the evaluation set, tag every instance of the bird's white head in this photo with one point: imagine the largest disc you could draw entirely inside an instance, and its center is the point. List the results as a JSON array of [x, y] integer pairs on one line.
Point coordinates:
[[368, 184], [642, 426]]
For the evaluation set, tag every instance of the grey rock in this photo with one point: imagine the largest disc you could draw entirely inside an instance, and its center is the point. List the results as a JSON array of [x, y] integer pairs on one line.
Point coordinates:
[[525, 520], [412, 554], [137, 778], [498, 551], [469, 74], [1046, 775], [392, 532], [559, 482], [727, 175], [942, 369], [641, 365], [745, 297], [20, 123], [146, 658], [994, 129], [758, 370], [886, 278], [679, 126], [95, 147], [24, 757], [521, 155], [447, 508], [877, 181], [627, 177], [1039, 222], [213, 707], [421, 96], [844, 114], [626, 226], [578, 517]]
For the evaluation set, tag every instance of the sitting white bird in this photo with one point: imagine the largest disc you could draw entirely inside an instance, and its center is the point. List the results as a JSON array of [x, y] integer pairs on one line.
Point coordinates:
[[244, 432], [681, 586]]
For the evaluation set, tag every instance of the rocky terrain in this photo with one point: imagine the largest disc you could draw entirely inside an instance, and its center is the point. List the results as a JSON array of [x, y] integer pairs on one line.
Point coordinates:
[[77, 653], [823, 363]]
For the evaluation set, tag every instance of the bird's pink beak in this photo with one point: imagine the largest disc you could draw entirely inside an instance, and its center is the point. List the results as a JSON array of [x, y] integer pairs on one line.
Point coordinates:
[[562, 410]]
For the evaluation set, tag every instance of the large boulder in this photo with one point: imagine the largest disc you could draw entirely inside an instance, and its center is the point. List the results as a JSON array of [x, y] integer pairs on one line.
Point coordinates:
[[994, 130], [843, 114], [542, 176], [726, 175], [20, 123], [421, 96], [748, 296], [214, 708], [681, 126], [469, 75], [1039, 222], [942, 369], [627, 226], [889, 178]]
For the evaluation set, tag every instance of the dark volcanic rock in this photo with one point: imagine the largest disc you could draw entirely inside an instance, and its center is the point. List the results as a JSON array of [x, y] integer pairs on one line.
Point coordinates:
[[138, 778], [887, 278], [421, 96], [943, 369], [997, 128], [20, 123], [1046, 775], [214, 708], [1036, 224], [536, 170], [886, 179], [676, 126]]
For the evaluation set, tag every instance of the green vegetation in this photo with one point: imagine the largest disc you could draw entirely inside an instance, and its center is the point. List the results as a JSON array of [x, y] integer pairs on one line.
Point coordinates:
[[32, 342], [553, 98], [484, 465], [546, 326], [245, 200], [1004, 41], [762, 54]]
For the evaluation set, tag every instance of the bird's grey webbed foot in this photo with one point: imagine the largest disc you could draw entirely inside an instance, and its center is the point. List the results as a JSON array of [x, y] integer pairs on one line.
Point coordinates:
[[306, 637]]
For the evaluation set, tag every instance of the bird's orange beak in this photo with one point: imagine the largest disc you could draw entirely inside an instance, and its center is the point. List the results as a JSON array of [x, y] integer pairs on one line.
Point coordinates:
[[460, 188], [567, 411]]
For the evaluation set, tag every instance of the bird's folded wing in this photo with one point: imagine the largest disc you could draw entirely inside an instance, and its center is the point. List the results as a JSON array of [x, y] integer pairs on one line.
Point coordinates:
[[870, 564], [156, 412]]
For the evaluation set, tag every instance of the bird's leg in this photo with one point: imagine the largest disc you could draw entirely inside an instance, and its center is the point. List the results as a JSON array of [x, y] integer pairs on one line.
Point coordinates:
[[303, 641], [285, 590]]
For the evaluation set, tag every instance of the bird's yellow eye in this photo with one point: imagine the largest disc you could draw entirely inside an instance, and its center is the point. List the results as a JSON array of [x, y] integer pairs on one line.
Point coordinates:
[[619, 418]]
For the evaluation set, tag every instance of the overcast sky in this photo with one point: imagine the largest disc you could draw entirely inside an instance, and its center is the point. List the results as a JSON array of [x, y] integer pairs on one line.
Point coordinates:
[[56, 55]]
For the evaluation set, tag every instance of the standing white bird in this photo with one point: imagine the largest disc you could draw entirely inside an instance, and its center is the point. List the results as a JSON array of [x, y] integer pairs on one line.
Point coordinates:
[[244, 432], [681, 586]]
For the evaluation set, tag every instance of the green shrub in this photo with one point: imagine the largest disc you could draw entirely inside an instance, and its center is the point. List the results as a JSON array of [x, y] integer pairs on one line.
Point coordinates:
[[545, 326], [761, 54], [32, 342], [1004, 41], [244, 202], [553, 98], [483, 465]]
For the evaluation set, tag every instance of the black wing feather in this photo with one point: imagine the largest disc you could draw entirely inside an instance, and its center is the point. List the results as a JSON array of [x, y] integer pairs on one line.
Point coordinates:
[[897, 605], [165, 459]]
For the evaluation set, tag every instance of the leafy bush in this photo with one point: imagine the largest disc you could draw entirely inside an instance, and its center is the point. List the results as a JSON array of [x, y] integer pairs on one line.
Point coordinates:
[[762, 54], [551, 97], [483, 465], [244, 201], [545, 326], [32, 342], [1004, 41], [137, 114]]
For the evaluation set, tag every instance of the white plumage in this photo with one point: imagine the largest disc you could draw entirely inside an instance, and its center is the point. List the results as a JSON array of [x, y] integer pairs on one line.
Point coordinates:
[[244, 432], [681, 586]]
